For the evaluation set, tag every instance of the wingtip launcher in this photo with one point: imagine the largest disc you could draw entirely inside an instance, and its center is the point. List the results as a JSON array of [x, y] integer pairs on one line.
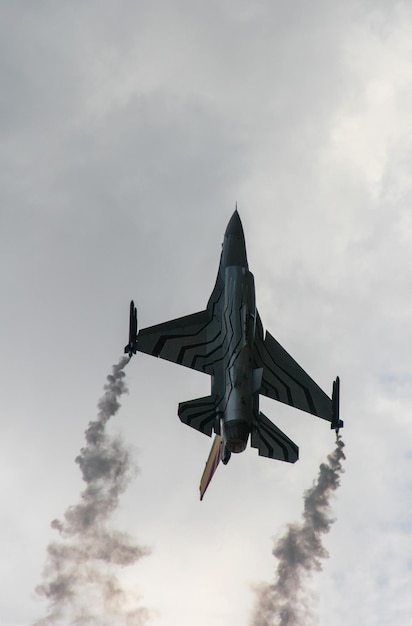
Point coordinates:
[[336, 422], [131, 347]]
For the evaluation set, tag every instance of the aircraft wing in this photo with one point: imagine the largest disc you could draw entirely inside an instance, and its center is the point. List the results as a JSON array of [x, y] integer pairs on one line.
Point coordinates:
[[284, 380], [186, 340]]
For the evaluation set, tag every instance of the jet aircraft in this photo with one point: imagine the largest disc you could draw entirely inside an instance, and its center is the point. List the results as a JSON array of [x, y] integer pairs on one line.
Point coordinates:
[[227, 342]]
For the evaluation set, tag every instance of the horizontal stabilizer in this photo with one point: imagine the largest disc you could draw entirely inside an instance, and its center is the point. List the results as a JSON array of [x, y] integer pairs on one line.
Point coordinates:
[[199, 414], [211, 465], [272, 442]]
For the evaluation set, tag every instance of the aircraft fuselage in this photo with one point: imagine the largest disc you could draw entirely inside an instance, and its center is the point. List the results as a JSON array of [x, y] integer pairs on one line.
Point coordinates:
[[234, 379]]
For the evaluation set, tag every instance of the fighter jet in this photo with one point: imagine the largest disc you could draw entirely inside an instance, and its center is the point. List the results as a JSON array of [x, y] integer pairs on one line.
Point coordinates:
[[227, 342]]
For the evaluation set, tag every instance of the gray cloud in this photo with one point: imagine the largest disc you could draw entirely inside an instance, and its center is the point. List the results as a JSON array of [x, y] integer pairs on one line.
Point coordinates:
[[128, 132]]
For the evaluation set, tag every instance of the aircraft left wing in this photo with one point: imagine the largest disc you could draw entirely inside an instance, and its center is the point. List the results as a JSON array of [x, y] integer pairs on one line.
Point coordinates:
[[284, 380], [186, 340]]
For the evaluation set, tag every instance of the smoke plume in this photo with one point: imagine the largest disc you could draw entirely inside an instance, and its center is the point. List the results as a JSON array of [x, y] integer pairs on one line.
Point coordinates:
[[287, 602], [79, 579]]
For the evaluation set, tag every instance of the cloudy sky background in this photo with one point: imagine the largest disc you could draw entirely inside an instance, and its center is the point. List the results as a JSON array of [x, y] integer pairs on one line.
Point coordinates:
[[128, 132]]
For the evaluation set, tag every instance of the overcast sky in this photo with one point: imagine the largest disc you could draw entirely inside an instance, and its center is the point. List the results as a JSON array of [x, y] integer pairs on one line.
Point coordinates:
[[129, 130]]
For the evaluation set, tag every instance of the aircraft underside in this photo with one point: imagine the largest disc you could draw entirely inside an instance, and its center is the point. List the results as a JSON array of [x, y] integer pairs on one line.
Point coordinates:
[[227, 342]]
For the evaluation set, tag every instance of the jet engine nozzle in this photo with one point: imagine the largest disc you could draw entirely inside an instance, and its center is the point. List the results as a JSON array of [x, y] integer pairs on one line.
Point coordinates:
[[236, 434]]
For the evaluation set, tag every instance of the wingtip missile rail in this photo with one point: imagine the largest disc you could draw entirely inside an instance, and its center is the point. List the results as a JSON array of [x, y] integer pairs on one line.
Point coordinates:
[[131, 347], [336, 422]]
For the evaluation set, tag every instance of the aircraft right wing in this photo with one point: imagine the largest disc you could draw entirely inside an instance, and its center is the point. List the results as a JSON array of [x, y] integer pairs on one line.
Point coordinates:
[[188, 340], [284, 380]]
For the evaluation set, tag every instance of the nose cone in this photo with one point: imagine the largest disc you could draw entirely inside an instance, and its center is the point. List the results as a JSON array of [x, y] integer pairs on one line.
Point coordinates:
[[235, 228], [234, 247]]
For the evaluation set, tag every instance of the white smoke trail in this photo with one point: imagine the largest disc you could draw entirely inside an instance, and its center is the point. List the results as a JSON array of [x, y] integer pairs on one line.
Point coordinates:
[[79, 579], [287, 602]]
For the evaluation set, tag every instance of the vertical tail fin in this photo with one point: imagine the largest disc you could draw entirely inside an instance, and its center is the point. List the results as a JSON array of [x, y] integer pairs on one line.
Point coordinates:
[[211, 465]]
